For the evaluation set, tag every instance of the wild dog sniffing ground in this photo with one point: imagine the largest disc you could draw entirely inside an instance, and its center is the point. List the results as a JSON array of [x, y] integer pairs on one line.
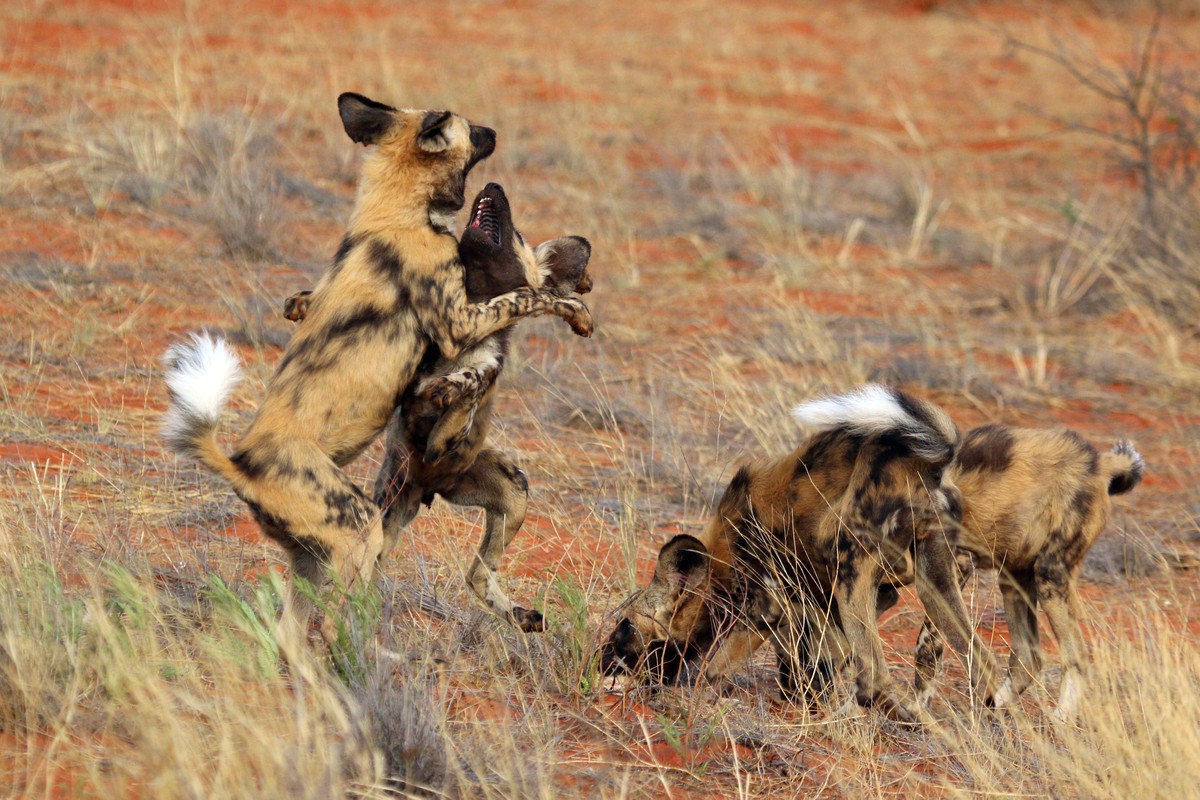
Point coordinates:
[[783, 200]]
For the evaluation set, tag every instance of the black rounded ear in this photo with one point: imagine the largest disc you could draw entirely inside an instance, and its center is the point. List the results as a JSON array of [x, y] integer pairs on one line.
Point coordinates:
[[365, 120], [433, 138], [683, 563], [565, 259]]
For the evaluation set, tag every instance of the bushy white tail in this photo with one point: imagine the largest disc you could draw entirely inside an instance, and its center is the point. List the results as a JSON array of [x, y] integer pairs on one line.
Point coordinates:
[[875, 410], [201, 375]]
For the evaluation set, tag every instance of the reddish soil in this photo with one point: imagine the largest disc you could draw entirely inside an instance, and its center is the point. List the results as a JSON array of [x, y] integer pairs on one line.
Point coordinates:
[[618, 121]]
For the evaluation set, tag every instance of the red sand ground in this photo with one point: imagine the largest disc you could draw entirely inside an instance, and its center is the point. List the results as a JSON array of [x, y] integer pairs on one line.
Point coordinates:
[[817, 82]]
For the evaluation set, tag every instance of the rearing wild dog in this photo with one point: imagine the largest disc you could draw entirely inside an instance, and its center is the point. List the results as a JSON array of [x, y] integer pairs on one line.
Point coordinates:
[[395, 289], [813, 540], [435, 440], [1031, 504]]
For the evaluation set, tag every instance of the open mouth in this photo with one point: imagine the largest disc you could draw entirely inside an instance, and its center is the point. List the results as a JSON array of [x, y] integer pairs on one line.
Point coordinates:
[[486, 218]]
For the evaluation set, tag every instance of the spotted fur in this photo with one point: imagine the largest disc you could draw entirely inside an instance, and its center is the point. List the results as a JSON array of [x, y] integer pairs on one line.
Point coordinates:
[[1031, 504], [394, 293], [802, 551]]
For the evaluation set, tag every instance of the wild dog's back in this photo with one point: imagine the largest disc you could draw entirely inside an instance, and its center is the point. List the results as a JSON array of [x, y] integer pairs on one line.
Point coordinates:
[[1022, 487]]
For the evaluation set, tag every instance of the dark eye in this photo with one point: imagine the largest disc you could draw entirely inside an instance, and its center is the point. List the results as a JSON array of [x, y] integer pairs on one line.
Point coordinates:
[[935, 475]]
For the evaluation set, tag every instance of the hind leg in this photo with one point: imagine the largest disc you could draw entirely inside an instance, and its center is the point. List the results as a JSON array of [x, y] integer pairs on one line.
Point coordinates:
[[397, 497], [930, 644], [938, 588], [497, 485], [1020, 610], [328, 526], [1058, 598]]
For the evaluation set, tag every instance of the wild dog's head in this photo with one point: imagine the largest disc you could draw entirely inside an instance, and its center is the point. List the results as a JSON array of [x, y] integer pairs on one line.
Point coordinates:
[[666, 621], [420, 161], [497, 258]]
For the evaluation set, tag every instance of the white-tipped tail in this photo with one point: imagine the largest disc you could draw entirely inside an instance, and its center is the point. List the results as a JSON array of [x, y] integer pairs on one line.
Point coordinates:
[[871, 409], [875, 410], [201, 375], [1123, 466]]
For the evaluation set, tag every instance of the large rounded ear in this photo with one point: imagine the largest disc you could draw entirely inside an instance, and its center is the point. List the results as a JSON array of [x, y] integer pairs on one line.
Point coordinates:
[[564, 259], [365, 120], [683, 564], [433, 137]]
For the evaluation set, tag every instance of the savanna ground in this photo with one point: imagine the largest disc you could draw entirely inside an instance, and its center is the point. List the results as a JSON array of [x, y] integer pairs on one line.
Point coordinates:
[[783, 198]]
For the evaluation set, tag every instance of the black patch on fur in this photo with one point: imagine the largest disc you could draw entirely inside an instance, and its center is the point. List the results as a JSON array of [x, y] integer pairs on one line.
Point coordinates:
[[987, 449], [1050, 572], [738, 486], [273, 526], [1087, 450], [1124, 482], [362, 319], [345, 507], [816, 451], [349, 242], [1081, 504], [890, 446], [248, 466], [385, 261]]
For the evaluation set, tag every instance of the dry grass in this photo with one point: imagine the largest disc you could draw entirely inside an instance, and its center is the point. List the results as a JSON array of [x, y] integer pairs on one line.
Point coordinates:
[[791, 202]]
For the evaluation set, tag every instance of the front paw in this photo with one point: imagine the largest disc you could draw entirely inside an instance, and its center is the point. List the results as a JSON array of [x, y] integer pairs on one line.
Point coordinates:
[[442, 392], [295, 307], [576, 314]]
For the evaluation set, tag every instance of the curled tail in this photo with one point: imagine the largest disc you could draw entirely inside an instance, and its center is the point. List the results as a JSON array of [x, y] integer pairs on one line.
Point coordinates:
[[200, 377], [876, 410], [1123, 466]]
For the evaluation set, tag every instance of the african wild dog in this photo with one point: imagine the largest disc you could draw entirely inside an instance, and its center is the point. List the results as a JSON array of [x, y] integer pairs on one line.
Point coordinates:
[[1032, 503], [435, 440], [812, 542], [395, 289]]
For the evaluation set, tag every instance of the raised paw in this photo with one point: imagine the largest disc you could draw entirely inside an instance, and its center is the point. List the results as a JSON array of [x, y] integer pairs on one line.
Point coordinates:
[[295, 307], [442, 392], [527, 619], [576, 314]]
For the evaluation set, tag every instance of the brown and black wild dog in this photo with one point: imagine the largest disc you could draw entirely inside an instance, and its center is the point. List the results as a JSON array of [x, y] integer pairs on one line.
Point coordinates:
[[395, 289], [435, 440], [810, 541], [1031, 504]]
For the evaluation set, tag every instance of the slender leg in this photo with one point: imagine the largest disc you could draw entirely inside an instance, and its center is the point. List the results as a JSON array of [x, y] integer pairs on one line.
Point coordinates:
[[1061, 604], [937, 586], [1020, 609], [497, 485]]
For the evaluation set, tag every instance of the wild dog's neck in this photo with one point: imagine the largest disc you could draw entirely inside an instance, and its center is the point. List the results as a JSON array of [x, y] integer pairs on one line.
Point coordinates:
[[390, 202]]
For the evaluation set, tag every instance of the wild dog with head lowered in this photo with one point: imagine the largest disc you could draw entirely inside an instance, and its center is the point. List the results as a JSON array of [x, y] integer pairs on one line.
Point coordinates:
[[803, 543], [395, 288], [1031, 504], [435, 440]]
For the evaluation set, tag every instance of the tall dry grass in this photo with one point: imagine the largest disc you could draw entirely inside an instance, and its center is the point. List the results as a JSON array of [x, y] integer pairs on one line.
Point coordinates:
[[737, 273]]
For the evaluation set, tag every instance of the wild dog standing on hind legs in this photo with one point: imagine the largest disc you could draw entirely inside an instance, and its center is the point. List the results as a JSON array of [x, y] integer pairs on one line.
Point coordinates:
[[435, 440], [1031, 504], [810, 538], [395, 288]]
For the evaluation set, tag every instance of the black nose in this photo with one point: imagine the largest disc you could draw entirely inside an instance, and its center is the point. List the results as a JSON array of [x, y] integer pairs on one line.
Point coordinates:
[[483, 140]]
